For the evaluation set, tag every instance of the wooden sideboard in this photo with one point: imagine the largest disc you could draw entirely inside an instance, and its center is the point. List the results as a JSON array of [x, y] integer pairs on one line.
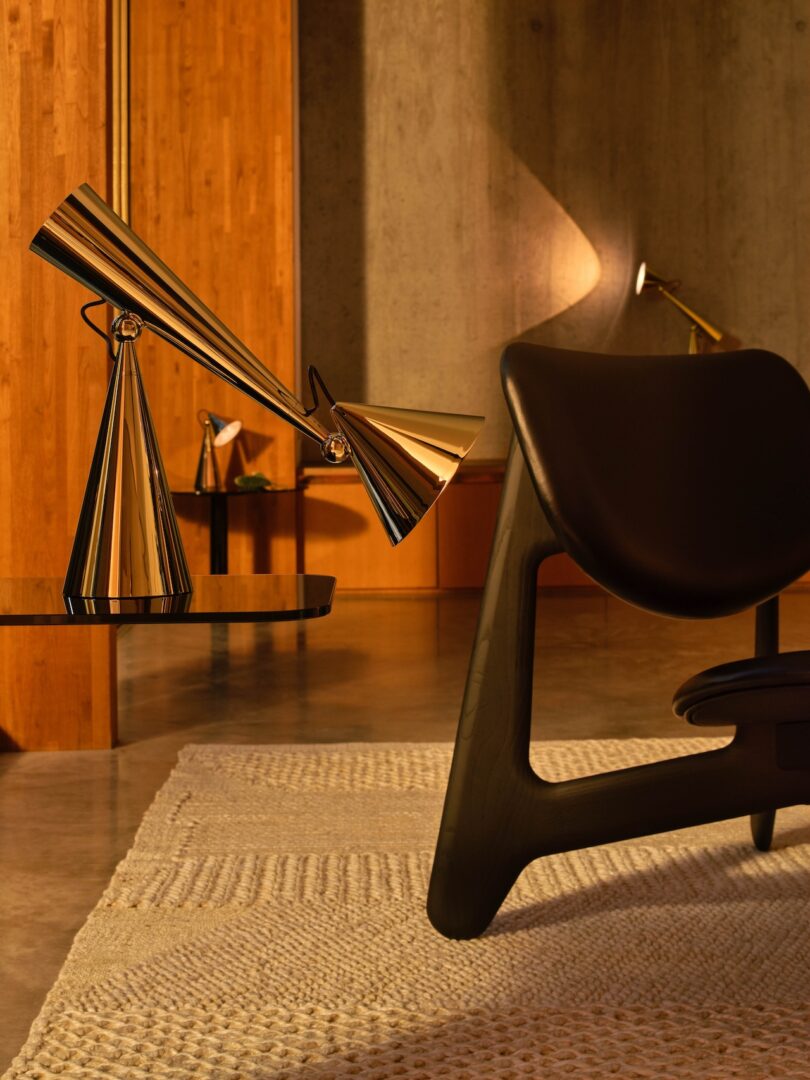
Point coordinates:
[[340, 534]]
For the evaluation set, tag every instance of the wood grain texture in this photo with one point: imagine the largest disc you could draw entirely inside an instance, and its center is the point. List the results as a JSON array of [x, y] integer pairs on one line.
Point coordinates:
[[212, 160], [58, 688]]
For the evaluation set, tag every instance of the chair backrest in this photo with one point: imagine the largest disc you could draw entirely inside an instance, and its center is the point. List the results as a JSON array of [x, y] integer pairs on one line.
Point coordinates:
[[679, 483]]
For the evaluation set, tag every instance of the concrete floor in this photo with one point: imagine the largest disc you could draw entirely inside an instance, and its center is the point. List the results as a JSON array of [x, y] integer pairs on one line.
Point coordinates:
[[382, 668]]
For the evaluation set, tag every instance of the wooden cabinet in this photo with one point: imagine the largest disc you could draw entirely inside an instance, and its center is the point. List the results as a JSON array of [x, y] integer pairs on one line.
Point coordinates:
[[340, 535]]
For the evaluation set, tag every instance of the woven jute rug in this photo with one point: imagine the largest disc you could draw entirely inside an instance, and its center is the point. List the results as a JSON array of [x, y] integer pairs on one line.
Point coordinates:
[[270, 922]]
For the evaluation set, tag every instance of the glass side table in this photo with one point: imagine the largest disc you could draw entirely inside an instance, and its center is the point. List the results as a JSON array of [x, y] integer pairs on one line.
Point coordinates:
[[252, 598], [218, 518], [221, 598]]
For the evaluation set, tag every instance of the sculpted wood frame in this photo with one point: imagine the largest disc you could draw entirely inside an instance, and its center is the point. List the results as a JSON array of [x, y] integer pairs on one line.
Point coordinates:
[[498, 814]]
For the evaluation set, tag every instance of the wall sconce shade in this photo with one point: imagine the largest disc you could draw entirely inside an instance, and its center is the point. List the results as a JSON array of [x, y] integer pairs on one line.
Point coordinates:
[[647, 279]]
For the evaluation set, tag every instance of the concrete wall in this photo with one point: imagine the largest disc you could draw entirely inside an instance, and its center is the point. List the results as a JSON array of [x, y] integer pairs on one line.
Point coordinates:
[[479, 170]]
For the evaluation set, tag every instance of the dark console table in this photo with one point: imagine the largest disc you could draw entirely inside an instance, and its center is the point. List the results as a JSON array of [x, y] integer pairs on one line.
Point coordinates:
[[218, 518]]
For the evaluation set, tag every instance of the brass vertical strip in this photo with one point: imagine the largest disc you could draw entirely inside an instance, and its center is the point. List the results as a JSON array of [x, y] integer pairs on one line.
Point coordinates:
[[119, 29]]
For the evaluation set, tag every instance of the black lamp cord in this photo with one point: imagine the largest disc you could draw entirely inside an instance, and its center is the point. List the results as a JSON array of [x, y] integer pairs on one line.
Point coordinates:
[[315, 376], [97, 329]]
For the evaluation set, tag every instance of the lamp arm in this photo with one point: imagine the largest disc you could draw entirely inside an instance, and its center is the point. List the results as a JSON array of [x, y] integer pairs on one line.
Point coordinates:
[[243, 371], [88, 241], [698, 320]]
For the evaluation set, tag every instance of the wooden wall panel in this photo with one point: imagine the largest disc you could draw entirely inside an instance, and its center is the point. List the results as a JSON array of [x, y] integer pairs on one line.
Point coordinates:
[[212, 191], [58, 687]]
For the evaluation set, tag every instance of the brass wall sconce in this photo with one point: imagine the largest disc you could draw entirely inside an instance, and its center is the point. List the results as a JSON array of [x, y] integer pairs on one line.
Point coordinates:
[[217, 431], [700, 328], [127, 543]]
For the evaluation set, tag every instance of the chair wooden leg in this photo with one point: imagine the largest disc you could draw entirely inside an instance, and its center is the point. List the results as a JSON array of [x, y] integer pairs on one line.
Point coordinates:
[[490, 791], [766, 643], [499, 816], [762, 829]]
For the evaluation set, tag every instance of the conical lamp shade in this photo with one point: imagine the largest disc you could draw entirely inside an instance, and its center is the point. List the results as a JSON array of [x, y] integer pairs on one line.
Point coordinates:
[[127, 542], [648, 279], [405, 457]]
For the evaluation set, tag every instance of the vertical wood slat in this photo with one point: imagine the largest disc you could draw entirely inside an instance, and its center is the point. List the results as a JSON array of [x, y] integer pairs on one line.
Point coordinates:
[[211, 154], [119, 106], [58, 687]]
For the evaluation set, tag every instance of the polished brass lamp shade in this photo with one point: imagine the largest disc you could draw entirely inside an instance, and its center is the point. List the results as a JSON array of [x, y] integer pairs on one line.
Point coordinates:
[[405, 458], [647, 279]]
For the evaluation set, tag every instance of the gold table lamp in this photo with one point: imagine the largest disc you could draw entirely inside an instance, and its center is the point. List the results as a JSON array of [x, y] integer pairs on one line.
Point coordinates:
[[405, 457]]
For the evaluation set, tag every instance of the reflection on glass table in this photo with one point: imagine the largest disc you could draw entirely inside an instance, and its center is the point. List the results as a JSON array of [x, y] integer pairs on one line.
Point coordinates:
[[220, 598]]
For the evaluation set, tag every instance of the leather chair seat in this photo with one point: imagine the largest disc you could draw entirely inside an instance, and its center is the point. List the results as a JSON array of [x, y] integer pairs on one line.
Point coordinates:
[[763, 690]]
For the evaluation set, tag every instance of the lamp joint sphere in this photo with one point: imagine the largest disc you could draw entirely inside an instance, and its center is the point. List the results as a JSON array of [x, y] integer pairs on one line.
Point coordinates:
[[335, 448], [127, 327]]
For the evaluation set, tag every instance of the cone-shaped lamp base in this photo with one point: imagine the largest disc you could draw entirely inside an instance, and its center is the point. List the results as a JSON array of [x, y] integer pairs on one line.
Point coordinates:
[[207, 477], [127, 540], [405, 457]]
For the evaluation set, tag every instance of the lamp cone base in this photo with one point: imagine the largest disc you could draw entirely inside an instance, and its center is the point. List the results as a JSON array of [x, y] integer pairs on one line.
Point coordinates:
[[127, 541], [405, 457], [207, 476]]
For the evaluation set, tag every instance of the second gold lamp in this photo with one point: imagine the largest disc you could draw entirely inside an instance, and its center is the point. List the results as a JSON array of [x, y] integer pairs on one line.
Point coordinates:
[[700, 330], [127, 541]]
